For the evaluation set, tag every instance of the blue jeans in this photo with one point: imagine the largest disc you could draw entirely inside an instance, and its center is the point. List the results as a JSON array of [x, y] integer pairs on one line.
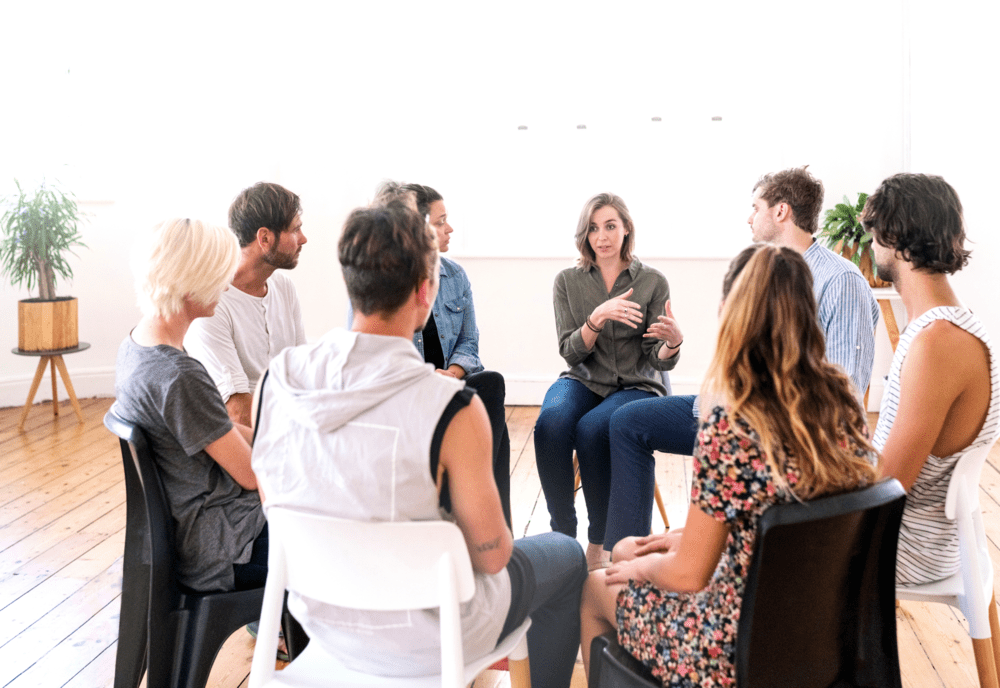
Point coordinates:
[[546, 577], [664, 424], [574, 417]]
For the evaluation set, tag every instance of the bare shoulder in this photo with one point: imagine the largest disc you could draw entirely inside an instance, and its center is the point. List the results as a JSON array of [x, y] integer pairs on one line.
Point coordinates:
[[945, 345], [466, 434]]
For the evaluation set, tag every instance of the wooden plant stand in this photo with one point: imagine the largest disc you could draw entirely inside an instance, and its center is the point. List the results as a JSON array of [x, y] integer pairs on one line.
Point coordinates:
[[53, 359]]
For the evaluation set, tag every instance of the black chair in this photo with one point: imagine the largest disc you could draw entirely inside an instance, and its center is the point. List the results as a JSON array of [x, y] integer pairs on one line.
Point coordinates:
[[819, 605], [169, 631]]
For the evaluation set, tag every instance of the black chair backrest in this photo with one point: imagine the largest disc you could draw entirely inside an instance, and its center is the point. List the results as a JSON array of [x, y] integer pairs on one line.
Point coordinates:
[[149, 548], [818, 609]]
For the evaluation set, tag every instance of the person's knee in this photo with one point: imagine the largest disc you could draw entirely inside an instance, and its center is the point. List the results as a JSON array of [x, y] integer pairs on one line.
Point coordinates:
[[624, 549], [554, 422], [594, 601], [490, 387], [591, 432], [562, 548], [622, 427]]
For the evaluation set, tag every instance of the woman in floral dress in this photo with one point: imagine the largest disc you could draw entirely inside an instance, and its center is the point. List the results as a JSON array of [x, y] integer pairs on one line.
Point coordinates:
[[779, 423]]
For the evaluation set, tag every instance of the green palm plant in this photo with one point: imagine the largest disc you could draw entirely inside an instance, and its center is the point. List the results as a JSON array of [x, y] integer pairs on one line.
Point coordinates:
[[37, 228], [843, 233]]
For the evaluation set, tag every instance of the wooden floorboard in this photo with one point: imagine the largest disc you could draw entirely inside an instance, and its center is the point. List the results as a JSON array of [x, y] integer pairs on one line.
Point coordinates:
[[62, 520]]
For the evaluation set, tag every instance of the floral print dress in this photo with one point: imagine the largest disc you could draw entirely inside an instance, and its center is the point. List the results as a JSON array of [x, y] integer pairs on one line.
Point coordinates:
[[689, 639]]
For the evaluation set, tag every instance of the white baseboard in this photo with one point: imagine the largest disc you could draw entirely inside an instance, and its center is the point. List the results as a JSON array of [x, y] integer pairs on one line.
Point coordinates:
[[87, 383]]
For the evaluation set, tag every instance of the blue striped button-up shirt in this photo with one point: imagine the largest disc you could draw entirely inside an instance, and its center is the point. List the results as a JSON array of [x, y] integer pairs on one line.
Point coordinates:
[[848, 313]]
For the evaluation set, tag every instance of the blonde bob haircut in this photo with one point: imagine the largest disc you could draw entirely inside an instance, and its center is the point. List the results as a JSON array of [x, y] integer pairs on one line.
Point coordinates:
[[770, 370], [587, 256], [183, 258]]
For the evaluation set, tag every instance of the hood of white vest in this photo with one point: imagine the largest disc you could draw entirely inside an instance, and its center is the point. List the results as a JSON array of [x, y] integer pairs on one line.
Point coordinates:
[[324, 386]]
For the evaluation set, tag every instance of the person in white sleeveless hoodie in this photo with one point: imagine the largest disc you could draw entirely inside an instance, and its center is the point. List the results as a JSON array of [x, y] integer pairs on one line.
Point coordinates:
[[943, 395], [356, 426]]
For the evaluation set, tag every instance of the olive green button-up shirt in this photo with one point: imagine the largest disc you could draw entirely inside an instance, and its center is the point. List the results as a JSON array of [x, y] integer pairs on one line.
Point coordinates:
[[621, 358]]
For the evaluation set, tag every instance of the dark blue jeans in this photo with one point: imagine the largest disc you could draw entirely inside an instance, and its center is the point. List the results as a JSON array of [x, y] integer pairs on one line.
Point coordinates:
[[574, 417], [547, 572], [639, 428]]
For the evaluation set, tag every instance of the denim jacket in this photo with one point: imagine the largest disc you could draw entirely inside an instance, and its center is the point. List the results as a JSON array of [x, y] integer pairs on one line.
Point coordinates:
[[455, 317]]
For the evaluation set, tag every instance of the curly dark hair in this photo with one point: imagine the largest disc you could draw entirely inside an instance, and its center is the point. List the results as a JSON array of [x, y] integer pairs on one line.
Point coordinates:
[[799, 189], [920, 217]]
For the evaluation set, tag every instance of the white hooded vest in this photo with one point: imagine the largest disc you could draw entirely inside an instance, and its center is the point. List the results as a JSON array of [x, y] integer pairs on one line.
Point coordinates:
[[345, 429]]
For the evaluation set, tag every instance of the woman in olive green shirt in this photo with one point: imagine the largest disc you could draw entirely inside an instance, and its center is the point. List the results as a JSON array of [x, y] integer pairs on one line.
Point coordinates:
[[616, 334]]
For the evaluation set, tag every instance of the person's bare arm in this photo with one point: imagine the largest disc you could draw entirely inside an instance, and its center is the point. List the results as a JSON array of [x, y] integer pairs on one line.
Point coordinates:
[[238, 406], [937, 412], [245, 431], [466, 454], [232, 452], [688, 567]]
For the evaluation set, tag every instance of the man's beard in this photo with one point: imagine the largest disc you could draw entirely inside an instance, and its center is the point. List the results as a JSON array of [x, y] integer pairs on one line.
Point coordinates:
[[282, 261], [886, 272]]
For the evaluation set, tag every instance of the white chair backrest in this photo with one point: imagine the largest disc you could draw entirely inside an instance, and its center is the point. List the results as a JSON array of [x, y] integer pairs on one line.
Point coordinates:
[[967, 473], [369, 565]]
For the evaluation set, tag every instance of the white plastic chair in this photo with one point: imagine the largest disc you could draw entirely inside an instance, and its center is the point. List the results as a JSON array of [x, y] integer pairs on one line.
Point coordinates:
[[376, 566], [971, 589]]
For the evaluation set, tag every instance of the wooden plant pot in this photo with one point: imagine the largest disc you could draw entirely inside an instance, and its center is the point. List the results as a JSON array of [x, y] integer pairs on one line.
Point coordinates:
[[865, 267], [44, 325]]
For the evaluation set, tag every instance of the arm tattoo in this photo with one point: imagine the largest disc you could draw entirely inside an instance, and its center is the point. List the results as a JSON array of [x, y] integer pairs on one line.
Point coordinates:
[[487, 546]]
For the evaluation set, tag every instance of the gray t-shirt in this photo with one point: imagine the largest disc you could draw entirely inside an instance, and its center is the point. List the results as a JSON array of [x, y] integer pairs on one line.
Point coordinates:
[[171, 396]]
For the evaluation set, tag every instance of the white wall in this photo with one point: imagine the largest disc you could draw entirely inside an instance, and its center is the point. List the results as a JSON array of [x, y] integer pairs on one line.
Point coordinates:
[[149, 116]]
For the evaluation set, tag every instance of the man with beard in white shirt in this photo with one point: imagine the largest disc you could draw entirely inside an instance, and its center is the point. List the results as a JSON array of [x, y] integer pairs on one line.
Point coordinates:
[[259, 315]]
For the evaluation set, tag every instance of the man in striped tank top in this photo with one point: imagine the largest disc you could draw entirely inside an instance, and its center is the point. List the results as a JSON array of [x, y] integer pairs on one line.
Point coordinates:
[[943, 394]]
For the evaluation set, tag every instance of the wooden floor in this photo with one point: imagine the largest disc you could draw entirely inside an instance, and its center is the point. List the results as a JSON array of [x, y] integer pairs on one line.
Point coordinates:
[[62, 520]]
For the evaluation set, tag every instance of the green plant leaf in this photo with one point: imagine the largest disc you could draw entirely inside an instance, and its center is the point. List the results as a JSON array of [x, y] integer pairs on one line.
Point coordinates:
[[38, 227]]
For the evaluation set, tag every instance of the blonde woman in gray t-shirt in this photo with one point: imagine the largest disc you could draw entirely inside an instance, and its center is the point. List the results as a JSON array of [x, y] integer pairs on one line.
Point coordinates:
[[616, 333], [203, 458]]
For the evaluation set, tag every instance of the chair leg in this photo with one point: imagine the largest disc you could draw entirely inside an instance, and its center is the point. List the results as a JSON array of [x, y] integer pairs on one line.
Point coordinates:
[[985, 666], [995, 633], [659, 505]]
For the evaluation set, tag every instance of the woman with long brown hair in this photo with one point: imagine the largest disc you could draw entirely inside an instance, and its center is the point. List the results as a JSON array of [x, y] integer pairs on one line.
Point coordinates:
[[779, 423]]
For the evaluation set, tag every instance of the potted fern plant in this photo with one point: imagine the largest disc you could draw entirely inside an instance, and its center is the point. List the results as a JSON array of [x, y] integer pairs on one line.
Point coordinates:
[[38, 227], [843, 233]]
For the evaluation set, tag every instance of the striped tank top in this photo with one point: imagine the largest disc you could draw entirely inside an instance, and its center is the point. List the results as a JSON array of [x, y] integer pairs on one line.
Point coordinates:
[[928, 540]]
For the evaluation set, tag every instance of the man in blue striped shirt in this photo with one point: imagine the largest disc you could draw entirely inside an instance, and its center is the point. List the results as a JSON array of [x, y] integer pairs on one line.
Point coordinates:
[[786, 209], [785, 212]]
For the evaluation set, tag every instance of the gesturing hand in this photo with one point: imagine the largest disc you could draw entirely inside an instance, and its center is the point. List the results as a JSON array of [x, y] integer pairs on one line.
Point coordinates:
[[666, 328], [618, 309]]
